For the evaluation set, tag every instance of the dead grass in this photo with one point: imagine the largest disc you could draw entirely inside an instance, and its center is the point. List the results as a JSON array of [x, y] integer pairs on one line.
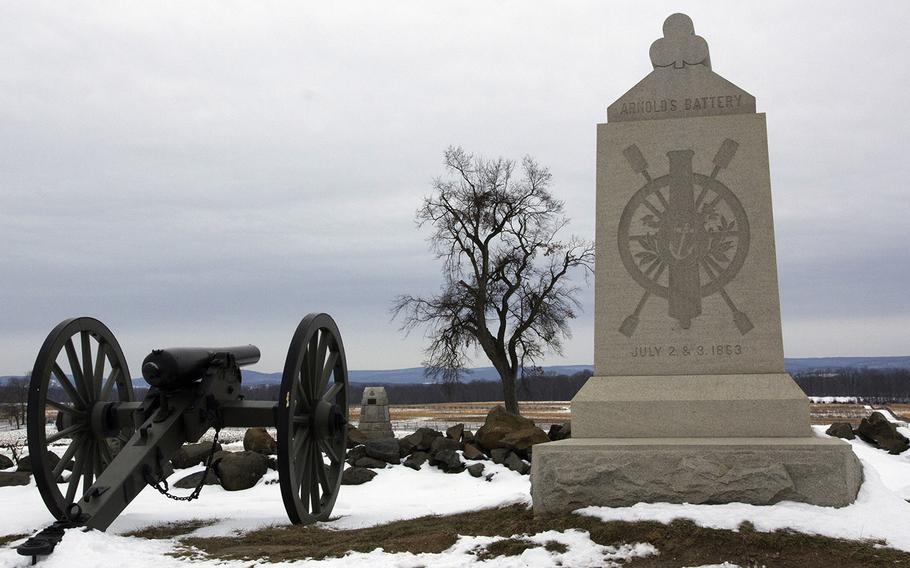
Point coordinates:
[[6, 539], [681, 543], [170, 530]]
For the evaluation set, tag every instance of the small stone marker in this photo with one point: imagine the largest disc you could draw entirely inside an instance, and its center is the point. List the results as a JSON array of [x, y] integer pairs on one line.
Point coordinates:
[[689, 402], [374, 414]]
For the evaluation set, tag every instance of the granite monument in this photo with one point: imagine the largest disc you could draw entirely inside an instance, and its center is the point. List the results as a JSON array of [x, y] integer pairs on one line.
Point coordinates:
[[690, 402]]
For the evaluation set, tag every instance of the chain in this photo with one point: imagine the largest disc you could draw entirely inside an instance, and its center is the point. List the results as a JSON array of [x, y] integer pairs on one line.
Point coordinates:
[[162, 486]]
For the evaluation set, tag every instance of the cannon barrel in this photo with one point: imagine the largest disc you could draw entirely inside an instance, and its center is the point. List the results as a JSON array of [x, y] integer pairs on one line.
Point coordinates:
[[169, 368]]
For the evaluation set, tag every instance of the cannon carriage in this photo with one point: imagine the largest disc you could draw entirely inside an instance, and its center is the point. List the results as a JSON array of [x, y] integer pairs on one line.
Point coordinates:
[[113, 445]]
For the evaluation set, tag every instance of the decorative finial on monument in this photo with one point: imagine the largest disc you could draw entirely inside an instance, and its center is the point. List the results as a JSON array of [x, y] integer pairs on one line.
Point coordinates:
[[680, 46]]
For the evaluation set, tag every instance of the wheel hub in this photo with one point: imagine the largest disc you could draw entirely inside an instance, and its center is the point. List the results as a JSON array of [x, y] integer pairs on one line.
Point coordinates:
[[328, 419]]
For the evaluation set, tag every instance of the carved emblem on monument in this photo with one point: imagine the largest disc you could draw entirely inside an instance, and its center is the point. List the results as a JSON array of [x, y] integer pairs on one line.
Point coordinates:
[[683, 236]]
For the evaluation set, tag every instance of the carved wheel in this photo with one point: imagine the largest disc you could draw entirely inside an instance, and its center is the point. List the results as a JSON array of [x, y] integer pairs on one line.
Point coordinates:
[[79, 372], [312, 420]]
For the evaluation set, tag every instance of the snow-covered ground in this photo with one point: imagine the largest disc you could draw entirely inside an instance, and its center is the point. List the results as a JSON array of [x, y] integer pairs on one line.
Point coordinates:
[[880, 512]]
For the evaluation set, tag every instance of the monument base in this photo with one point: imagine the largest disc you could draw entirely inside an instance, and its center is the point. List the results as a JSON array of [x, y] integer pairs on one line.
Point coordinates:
[[619, 472]]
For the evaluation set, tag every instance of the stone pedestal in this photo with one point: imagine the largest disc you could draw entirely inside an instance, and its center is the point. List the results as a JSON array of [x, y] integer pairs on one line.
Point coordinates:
[[690, 402], [619, 472], [374, 414]]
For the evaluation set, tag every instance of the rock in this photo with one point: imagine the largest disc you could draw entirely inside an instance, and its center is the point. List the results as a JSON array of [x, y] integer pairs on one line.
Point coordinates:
[[372, 463], [273, 463], [499, 424], [357, 476], [467, 437], [517, 464], [472, 453], [421, 440], [355, 437], [444, 444], [192, 480], [415, 460], [240, 470], [356, 453], [448, 461], [385, 449], [192, 454], [455, 432], [476, 470], [560, 431], [841, 430], [10, 478], [5, 462], [25, 464], [520, 441], [499, 455], [876, 430], [260, 441]]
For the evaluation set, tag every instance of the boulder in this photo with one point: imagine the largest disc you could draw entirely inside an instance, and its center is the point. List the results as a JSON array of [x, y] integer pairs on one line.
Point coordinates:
[[240, 470], [520, 441], [841, 430], [356, 453], [385, 449], [444, 444], [260, 441], [10, 478], [455, 432], [357, 476], [369, 462], [273, 463], [355, 437], [448, 461], [499, 455], [876, 430], [517, 464], [25, 464], [192, 480], [415, 460], [192, 454], [467, 437], [560, 431], [5, 462], [476, 470], [521, 431], [421, 440], [472, 453]]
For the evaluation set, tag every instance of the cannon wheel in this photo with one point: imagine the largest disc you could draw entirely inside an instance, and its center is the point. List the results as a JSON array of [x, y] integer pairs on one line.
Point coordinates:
[[312, 420], [75, 402]]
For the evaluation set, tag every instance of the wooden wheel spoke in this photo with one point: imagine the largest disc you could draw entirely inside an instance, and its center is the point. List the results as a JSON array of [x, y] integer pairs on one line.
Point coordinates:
[[106, 456], [64, 433], [76, 370], [88, 372], [320, 473], [315, 465], [333, 392], [329, 451], [88, 455], [109, 384], [74, 478], [327, 370], [302, 469], [67, 456], [99, 370], [299, 449], [68, 387], [307, 401]]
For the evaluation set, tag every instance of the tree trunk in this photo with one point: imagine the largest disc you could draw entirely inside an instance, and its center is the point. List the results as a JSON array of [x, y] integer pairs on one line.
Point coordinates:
[[509, 395]]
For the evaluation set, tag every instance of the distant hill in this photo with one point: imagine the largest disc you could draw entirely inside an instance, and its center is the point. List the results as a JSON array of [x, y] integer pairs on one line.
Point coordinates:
[[414, 375]]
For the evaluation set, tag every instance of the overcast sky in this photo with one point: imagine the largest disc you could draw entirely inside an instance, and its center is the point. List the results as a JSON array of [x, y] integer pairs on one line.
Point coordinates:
[[208, 173]]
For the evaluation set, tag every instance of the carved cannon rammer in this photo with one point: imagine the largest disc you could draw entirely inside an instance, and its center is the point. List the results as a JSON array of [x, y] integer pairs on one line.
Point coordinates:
[[115, 445]]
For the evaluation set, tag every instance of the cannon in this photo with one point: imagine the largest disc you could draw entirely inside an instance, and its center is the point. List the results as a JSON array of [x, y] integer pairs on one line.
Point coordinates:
[[111, 446]]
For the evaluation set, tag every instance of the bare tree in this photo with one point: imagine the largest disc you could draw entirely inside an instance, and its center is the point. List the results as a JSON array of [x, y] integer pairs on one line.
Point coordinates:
[[506, 288]]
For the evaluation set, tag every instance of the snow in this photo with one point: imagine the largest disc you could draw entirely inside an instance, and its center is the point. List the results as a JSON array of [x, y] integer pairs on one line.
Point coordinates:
[[833, 399], [396, 493], [880, 511]]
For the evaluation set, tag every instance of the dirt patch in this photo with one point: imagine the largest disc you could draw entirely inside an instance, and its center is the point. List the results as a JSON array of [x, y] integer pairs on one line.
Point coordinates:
[[681, 543], [170, 530], [507, 547]]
